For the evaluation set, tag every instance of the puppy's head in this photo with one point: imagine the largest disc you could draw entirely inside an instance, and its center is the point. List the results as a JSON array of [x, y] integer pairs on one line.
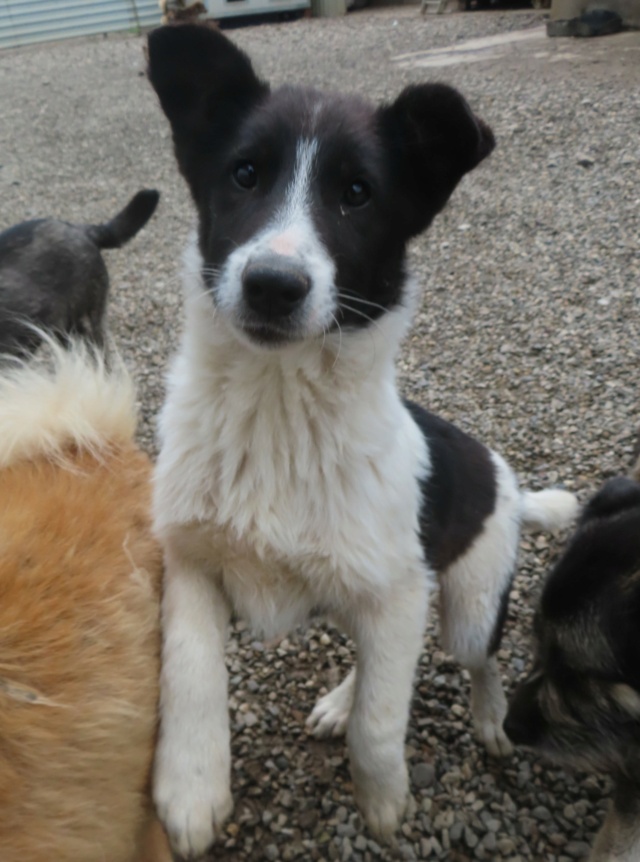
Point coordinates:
[[306, 200], [581, 702]]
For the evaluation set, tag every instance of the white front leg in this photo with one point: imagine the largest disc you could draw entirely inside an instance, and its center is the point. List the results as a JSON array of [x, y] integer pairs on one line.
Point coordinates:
[[389, 638], [192, 766]]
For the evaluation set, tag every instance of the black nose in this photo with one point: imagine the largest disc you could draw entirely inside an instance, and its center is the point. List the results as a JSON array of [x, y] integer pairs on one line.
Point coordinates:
[[273, 289]]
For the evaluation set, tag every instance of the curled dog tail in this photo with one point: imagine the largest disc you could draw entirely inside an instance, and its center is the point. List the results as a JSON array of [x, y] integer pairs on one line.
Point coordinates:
[[553, 509], [127, 223], [75, 400]]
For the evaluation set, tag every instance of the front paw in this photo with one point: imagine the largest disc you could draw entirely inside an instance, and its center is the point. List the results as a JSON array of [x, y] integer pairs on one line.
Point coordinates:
[[383, 800], [193, 808]]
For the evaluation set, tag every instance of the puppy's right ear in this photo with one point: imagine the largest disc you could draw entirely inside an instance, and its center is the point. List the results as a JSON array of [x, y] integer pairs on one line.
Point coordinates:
[[205, 85]]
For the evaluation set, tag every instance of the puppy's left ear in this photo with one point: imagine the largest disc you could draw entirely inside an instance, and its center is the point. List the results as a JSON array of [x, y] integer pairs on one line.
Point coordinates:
[[433, 138]]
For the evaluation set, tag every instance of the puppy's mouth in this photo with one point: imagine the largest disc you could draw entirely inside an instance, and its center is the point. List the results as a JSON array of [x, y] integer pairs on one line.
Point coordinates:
[[267, 334]]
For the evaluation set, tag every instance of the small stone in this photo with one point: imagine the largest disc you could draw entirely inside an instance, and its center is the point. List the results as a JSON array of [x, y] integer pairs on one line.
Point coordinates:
[[489, 841], [423, 775], [456, 830], [506, 846], [541, 813], [577, 849], [347, 850], [470, 837], [308, 819], [585, 161], [342, 814]]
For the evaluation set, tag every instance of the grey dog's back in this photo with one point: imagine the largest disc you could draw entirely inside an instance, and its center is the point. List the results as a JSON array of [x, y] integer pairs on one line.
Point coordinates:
[[52, 274]]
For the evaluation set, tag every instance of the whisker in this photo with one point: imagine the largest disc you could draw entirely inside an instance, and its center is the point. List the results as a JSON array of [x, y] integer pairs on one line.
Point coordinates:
[[354, 297], [362, 314], [339, 342]]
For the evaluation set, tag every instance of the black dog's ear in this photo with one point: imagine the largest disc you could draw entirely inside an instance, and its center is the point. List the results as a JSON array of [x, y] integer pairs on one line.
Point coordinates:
[[433, 139], [614, 497], [205, 85]]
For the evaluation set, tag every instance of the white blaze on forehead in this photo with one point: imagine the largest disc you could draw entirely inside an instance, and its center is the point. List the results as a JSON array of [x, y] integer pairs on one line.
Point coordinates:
[[293, 213], [296, 201]]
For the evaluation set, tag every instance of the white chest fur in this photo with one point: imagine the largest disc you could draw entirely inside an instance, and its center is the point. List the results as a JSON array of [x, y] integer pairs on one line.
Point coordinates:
[[294, 472]]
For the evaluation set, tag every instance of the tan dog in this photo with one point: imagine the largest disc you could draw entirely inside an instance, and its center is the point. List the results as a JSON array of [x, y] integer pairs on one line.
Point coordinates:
[[79, 618]]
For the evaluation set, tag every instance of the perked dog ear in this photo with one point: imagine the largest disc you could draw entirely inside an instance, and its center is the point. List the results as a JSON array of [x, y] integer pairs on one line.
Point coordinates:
[[434, 139], [205, 85], [616, 496]]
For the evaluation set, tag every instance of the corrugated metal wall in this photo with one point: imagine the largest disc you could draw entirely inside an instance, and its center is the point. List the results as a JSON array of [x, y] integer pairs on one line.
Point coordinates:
[[23, 22]]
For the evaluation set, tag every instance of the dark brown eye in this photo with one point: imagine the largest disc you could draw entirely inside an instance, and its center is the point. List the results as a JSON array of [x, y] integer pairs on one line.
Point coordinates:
[[357, 194], [245, 175]]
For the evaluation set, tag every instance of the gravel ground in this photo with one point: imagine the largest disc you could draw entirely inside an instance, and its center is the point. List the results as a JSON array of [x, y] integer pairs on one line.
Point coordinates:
[[527, 336]]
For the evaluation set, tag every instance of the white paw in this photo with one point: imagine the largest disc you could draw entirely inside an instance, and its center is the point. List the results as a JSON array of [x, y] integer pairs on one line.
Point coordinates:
[[383, 802], [193, 807], [494, 738], [330, 715]]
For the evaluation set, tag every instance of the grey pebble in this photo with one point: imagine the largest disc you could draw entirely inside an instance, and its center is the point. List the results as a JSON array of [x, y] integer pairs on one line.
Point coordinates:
[[423, 775]]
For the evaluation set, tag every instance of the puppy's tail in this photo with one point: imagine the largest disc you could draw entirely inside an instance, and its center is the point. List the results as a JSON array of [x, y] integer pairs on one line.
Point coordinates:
[[127, 223], [553, 509]]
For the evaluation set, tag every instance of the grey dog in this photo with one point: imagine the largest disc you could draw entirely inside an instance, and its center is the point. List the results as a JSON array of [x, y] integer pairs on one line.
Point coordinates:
[[53, 277]]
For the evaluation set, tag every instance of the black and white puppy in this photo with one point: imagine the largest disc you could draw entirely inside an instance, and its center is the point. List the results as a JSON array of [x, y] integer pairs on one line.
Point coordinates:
[[292, 475], [53, 277], [581, 703]]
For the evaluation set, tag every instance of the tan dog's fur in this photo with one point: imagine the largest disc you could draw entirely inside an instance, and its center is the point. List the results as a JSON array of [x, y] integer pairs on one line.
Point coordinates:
[[79, 619]]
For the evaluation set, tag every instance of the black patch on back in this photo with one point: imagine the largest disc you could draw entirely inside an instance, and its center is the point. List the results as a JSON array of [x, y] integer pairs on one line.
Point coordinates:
[[459, 494]]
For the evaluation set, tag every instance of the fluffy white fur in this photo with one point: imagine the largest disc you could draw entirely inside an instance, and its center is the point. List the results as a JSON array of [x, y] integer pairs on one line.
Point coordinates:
[[551, 509], [288, 481], [78, 400]]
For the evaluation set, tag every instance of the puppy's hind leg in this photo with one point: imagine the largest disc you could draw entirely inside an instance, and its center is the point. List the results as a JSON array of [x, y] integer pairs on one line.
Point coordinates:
[[474, 595], [330, 715], [471, 622]]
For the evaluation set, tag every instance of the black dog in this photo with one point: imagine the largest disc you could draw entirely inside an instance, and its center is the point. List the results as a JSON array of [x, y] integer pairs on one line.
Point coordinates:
[[581, 702], [52, 275]]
